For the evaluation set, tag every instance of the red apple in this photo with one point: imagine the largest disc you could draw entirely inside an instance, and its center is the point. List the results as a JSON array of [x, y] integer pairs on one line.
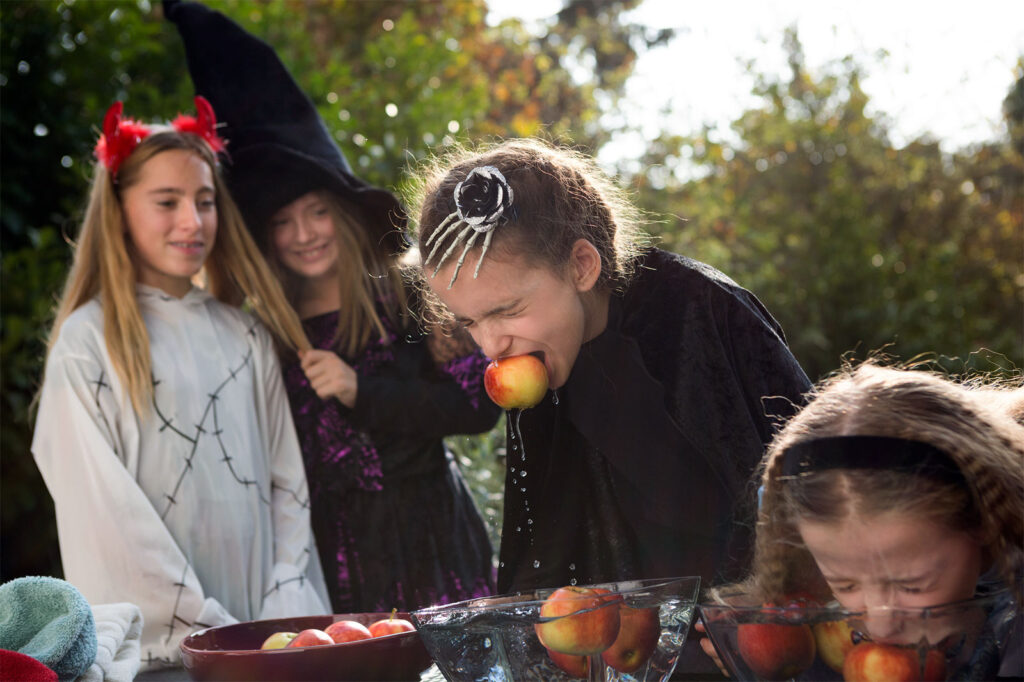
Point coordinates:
[[834, 640], [574, 666], [519, 381], [347, 631], [279, 640], [776, 652], [310, 637], [639, 630], [874, 662], [571, 632], [390, 626]]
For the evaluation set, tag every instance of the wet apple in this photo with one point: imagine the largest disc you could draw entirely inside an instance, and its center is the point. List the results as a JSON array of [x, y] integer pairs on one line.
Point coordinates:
[[516, 382]]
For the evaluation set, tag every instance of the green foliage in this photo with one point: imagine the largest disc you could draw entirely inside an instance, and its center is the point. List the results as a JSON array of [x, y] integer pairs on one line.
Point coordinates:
[[853, 244]]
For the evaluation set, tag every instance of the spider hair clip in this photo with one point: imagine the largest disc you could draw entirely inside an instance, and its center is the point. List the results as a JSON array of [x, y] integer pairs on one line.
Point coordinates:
[[121, 135], [481, 200]]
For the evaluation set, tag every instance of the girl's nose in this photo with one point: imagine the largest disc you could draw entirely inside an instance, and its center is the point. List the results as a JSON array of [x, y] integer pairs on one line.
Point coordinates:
[[304, 231], [189, 217], [493, 341], [882, 624]]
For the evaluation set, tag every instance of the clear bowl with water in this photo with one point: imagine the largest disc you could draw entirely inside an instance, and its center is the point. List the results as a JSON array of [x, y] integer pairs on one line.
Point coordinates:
[[494, 639], [958, 641]]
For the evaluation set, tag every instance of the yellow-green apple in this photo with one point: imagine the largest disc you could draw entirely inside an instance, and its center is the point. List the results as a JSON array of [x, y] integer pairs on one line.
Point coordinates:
[[390, 626], [834, 639], [578, 620], [279, 640], [875, 662], [516, 382], [573, 666], [774, 651], [310, 637], [639, 630], [347, 631]]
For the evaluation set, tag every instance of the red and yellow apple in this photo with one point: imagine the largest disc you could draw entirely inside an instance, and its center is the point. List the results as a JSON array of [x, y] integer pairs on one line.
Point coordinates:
[[279, 640], [516, 382], [834, 639], [774, 651], [639, 631], [578, 620], [347, 631], [310, 637], [573, 666], [390, 626], [874, 662]]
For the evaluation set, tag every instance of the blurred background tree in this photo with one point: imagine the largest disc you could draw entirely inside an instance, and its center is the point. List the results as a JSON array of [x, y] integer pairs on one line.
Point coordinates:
[[852, 243]]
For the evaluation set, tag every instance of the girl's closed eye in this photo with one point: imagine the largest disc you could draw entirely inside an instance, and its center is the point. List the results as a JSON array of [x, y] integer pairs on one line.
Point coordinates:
[[843, 587]]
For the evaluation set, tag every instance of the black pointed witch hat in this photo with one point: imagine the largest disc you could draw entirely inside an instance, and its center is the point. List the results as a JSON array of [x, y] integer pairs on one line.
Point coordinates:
[[278, 146]]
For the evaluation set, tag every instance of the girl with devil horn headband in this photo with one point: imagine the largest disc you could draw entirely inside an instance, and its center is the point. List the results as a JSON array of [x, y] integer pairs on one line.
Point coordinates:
[[163, 431]]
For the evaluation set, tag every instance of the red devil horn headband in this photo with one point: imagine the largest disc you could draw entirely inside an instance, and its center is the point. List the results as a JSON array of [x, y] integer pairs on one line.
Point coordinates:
[[122, 135]]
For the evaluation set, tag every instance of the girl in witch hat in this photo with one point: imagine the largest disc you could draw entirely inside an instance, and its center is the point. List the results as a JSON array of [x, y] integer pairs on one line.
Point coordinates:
[[395, 523], [163, 431]]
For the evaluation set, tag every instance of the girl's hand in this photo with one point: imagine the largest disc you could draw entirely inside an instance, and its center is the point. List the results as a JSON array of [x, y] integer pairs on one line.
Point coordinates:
[[330, 376], [709, 648]]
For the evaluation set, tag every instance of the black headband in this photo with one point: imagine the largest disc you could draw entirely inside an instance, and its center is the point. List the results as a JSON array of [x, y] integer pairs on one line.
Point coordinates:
[[871, 452]]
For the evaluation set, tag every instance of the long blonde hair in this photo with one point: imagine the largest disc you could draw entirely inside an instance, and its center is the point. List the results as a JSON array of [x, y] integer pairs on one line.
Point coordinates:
[[234, 271], [366, 276], [985, 443]]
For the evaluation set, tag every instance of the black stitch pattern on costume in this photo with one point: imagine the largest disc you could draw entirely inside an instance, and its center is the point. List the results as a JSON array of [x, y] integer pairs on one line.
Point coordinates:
[[166, 425], [277, 584], [102, 416]]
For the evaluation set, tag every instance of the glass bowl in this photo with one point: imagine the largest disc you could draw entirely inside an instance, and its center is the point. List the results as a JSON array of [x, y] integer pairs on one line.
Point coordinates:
[[808, 642], [496, 638], [232, 652]]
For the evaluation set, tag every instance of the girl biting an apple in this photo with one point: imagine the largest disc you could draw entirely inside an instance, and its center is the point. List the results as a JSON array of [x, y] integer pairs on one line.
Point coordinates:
[[659, 369]]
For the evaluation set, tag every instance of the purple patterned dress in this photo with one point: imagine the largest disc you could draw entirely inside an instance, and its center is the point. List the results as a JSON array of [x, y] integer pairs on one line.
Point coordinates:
[[395, 524]]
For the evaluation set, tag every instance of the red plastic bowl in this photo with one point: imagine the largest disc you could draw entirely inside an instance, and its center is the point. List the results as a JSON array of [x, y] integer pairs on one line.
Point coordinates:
[[232, 652]]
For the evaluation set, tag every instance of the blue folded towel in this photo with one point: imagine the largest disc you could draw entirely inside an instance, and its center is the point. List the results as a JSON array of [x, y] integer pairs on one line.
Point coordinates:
[[49, 620]]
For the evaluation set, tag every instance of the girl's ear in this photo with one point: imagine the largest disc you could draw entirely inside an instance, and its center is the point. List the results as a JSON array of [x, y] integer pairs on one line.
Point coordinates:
[[585, 265]]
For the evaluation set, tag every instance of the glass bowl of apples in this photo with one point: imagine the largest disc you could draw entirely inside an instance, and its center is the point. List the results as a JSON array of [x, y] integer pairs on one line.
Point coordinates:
[[351, 646], [629, 631], [799, 639]]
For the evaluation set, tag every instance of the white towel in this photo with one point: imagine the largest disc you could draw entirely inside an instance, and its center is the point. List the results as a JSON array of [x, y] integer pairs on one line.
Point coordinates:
[[118, 638]]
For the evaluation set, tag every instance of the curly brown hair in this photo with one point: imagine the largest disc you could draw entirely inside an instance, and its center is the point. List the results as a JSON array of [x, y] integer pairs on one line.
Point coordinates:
[[984, 441], [561, 196]]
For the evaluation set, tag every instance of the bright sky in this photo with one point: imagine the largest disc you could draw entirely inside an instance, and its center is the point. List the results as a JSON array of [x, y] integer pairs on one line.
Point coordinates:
[[949, 64]]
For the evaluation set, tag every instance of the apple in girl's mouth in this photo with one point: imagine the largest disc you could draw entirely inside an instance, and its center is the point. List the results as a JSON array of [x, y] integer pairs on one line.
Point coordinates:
[[516, 382]]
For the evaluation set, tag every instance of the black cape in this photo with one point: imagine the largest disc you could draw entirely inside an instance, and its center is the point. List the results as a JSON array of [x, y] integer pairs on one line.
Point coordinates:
[[641, 465]]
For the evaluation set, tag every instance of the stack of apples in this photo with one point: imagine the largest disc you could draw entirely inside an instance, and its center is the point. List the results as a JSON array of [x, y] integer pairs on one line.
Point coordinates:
[[337, 633], [579, 622]]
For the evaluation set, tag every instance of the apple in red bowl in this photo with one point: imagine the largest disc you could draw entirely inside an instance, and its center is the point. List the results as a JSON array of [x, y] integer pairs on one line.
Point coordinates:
[[233, 652], [801, 640]]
